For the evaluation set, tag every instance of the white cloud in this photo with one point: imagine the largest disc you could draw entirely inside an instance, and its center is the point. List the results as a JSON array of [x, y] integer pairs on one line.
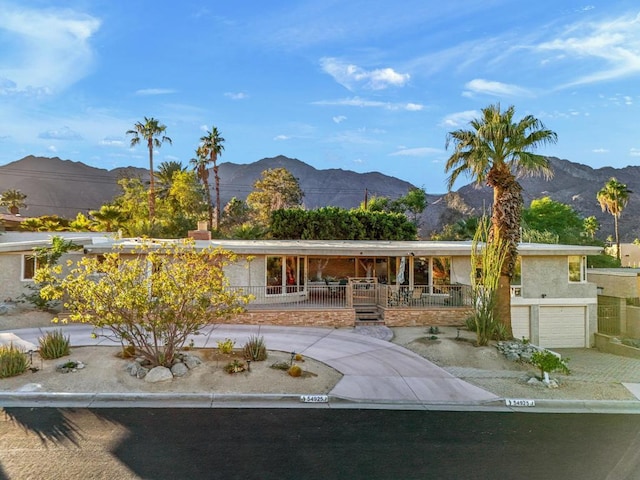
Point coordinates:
[[634, 152], [458, 119], [281, 138], [600, 150], [339, 118], [44, 50], [416, 152], [236, 96], [154, 91], [614, 45], [52, 149], [497, 89], [352, 77], [360, 102], [64, 133], [413, 107], [113, 142]]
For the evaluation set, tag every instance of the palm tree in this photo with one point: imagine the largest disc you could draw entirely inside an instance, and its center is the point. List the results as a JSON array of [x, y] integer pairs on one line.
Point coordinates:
[[496, 151], [166, 170], [613, 198], [200, 163], [13, 200], [212, 147], [150, 130], [108, 218]]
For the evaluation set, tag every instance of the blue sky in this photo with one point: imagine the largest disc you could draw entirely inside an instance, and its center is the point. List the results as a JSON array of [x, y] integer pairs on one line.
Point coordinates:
[[365, 85]]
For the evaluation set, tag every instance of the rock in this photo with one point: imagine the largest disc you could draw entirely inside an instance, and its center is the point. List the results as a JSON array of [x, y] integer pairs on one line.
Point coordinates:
[[158, 374], [141, 372], [4, 309], [191, 361], [132, 368], [179, 369]]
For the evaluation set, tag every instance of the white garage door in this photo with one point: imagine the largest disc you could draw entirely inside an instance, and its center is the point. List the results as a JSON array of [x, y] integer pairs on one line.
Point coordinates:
[[562, 327], [520, 322]]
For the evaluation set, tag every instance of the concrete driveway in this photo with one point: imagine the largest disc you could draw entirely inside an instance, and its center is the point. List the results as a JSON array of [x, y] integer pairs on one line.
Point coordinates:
[[373, 370]]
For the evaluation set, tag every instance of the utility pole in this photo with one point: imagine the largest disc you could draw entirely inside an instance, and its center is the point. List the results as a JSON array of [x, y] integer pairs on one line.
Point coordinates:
[[366, 197]]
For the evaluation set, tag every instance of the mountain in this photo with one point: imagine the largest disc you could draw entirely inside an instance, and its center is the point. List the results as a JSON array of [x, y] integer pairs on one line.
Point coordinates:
[[64, 187]]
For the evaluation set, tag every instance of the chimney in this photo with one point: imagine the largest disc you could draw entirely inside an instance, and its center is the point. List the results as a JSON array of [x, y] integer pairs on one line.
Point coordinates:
[[202, 233]]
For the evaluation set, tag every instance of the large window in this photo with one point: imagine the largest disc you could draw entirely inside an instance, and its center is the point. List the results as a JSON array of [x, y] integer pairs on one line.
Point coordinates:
[[577, 269], [285, 274]]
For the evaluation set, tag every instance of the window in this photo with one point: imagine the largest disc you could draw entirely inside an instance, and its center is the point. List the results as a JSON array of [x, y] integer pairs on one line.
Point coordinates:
[[29, 265], [285, 274], [577, 269]]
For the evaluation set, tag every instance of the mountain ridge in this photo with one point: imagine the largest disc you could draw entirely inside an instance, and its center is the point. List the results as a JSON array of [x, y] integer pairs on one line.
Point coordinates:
[[66, 187]]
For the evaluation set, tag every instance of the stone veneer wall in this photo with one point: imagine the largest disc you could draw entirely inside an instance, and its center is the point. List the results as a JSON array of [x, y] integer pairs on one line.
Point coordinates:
[[306, 318], [346, 317], [399, 317]]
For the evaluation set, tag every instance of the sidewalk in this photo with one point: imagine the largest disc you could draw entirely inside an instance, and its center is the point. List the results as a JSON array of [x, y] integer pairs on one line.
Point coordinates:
[[376, 374]]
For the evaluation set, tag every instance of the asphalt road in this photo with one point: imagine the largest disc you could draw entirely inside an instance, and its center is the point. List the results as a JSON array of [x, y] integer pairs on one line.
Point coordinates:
[[49, 443]]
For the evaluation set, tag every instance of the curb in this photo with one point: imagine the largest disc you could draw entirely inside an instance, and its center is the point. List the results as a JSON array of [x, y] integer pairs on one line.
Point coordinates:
[[17, 399]]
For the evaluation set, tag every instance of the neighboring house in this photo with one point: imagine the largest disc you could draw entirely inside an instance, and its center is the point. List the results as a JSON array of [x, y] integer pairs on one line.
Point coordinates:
[[618, 300], [418, 283], [18, 263], [10, 222]]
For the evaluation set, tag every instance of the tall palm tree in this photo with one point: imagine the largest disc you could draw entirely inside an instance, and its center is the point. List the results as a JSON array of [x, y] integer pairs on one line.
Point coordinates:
[[496, 151], [613, 198], [212, 147], [200, 163], [153, 132], [13, 200]]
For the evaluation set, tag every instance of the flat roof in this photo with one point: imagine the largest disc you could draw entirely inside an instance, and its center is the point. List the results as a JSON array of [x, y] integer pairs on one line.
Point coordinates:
[[352, 247]]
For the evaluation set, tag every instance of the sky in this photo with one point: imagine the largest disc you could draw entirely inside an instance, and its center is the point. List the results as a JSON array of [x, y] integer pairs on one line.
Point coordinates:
[[362, 85]]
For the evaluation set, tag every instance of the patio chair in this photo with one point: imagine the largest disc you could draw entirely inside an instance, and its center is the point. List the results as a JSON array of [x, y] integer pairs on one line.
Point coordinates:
[[416, 297]]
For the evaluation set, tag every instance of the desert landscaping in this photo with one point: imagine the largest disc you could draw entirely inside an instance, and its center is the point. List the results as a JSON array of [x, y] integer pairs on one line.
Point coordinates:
[[451, 348]]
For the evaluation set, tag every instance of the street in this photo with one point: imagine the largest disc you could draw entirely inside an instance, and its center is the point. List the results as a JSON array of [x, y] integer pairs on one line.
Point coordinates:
[[49, 443]]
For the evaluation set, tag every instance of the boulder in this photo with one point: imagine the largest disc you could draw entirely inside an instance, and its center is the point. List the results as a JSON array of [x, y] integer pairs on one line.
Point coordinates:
[[179, 369], [158, 374], [191, 361]]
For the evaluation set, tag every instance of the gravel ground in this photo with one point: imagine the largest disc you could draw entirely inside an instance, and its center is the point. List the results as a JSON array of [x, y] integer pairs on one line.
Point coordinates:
[[594, 375]]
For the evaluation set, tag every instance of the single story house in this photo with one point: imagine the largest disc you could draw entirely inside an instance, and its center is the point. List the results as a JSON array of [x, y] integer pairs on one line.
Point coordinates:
[[395, 283]]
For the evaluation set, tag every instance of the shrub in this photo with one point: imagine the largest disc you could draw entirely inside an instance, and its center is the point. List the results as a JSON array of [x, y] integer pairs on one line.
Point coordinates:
[[226, 347], [500, 332], [54, 345], [549, 362], [295, 371], [13, 361], [255, 349], [298, 357], [235, 367]]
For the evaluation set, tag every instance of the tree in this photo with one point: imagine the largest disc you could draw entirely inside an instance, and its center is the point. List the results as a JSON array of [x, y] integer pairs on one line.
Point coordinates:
[[277, 189], [236, 213], [590, 226], [212, 147], [613, 198], [166, 171], [152, 131], [108, 218], [81, 223], [200, 163], [415, 202], [497, 151], [13, 200], [153, 299], [559, 219]]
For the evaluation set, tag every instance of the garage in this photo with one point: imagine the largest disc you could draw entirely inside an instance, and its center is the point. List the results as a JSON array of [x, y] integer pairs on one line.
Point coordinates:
[[562, 327], [520, 322]]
